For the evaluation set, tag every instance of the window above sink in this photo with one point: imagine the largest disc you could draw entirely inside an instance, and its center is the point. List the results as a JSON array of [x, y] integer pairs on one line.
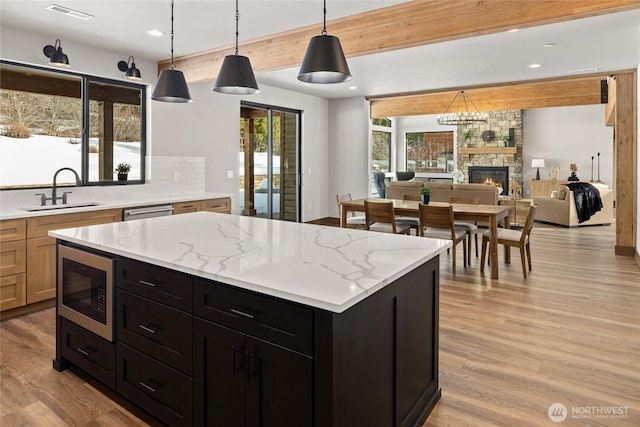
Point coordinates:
[[57, 118]]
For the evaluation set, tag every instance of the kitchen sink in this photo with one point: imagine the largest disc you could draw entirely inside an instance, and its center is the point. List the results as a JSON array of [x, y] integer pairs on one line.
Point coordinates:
[[57, 207]]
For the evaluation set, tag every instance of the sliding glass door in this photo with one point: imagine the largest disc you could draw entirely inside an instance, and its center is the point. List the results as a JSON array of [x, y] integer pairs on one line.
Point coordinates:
[[269, 151]]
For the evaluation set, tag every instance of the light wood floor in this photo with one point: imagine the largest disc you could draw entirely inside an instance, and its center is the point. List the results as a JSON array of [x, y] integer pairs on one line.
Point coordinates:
[[569, 333]]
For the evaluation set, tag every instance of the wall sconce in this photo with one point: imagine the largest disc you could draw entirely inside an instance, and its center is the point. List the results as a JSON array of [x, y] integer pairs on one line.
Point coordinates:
[[129, 69], [56, 56]]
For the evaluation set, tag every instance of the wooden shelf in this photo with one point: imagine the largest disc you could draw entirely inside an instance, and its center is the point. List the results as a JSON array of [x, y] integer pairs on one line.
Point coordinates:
[[488, 150]]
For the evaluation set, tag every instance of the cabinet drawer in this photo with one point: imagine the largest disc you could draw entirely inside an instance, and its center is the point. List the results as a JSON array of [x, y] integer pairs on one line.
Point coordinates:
[[155, 387], [40, 226], [155, 283], [13, 291], [13, 257], [222, 205], [89, 352], [155, 329], [186, 207], [276, 321], [13, 229]]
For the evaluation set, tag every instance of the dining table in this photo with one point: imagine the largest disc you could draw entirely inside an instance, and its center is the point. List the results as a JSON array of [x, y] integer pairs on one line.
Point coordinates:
[[493, 214]]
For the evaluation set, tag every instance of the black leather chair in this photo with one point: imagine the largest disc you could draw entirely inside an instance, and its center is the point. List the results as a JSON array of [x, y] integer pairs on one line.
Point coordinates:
[[405, 176], [378, 181]]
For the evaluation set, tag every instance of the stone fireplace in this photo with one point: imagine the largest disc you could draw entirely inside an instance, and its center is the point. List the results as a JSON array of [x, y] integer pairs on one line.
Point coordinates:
[[492, 175], [492, 145]]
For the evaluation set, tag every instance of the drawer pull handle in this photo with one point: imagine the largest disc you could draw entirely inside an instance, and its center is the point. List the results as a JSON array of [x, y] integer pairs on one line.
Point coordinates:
[[85, 352], [144, 282], [149, 329], [241, 313], [148, 387]]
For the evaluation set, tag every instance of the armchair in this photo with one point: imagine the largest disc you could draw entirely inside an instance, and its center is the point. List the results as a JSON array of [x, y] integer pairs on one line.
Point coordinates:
[[378, 181]]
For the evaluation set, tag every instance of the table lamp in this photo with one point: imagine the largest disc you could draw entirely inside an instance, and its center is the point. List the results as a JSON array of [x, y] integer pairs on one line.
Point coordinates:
[[537, 163]]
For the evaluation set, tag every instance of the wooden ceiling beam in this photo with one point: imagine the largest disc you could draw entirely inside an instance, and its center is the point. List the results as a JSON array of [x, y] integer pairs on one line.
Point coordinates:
[[415, 23], [556, 92]]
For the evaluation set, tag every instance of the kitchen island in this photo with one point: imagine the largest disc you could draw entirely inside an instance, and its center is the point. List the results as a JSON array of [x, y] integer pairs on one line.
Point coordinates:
[[230, 320]]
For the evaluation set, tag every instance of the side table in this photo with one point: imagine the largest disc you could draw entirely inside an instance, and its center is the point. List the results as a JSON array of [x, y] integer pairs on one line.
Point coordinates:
[[519, 209]]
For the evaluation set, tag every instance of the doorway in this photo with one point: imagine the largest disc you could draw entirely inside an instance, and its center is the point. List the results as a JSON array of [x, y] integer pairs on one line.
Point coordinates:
[[270, 159]]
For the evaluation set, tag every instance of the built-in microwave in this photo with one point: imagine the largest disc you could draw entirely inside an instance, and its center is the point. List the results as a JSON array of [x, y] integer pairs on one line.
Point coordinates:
[[85, 290]]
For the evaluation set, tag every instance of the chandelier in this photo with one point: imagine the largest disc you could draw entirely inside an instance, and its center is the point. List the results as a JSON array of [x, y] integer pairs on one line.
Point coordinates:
[[462, 115]]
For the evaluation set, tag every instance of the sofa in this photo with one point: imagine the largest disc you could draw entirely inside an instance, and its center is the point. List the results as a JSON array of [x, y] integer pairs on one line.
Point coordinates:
[[561, 209], [440, 191]]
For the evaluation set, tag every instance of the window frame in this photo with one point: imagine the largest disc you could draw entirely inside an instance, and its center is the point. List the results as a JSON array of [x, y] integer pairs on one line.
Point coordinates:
[[86, 80]]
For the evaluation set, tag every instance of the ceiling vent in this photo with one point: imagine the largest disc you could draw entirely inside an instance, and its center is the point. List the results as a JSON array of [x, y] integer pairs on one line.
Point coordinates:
[[69, 12]]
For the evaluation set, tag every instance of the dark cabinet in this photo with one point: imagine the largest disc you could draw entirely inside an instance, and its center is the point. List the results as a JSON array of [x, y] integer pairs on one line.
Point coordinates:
[[157, 388], [196, 352], [88, 351], [246, 381]]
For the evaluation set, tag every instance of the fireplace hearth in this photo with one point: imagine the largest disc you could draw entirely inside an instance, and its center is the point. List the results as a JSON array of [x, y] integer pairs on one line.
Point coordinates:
[[492, 175]]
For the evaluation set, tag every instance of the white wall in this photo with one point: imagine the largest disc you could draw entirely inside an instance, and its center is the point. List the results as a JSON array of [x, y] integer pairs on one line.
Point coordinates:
[[23, 46], [208, 127], [565, 135], [348, 150], [638, 173]]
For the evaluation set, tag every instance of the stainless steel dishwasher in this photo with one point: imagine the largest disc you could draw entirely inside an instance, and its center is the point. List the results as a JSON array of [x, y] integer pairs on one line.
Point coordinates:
[[147, 212]]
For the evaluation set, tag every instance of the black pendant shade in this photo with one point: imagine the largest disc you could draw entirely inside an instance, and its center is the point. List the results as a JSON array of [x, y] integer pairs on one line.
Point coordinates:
[[171, 87], [324, 61], [236, 76]]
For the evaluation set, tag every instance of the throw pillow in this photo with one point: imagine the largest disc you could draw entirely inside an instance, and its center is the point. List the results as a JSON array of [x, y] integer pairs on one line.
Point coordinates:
[[563, 190]]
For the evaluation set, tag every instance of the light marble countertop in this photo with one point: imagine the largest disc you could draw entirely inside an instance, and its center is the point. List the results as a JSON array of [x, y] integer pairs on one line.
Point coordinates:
[[325, 267], [17, 211]]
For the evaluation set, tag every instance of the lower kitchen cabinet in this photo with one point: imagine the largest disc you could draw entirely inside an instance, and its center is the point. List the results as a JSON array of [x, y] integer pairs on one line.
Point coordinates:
[[88, 351], [157, 388], [245, 381], [13, 264], [41, 249], [193, 351]]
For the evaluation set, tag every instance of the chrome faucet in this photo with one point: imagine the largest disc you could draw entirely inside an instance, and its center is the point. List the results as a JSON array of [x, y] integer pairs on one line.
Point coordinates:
[[54, 191]]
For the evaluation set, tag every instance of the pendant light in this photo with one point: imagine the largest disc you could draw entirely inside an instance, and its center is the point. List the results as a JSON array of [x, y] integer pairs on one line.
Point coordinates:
[[236, 75], [129, 69], [324, 61], [171, 85], [55, 55]]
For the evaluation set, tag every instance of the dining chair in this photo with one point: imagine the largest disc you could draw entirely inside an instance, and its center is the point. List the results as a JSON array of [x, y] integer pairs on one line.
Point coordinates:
[[469, 227], [437, 222], [380, 217], [353, 220], [412, 222], [513, 238]]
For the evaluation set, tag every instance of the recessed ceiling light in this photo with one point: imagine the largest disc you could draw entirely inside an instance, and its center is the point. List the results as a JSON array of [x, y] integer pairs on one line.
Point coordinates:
[[584, 70], [69, 12], [534, 65], [513, 30], [353, 87], [548, 45], [155, 33]]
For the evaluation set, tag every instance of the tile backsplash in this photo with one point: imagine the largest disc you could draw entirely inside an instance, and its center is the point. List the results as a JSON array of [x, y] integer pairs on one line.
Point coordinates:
[[166, 176]]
